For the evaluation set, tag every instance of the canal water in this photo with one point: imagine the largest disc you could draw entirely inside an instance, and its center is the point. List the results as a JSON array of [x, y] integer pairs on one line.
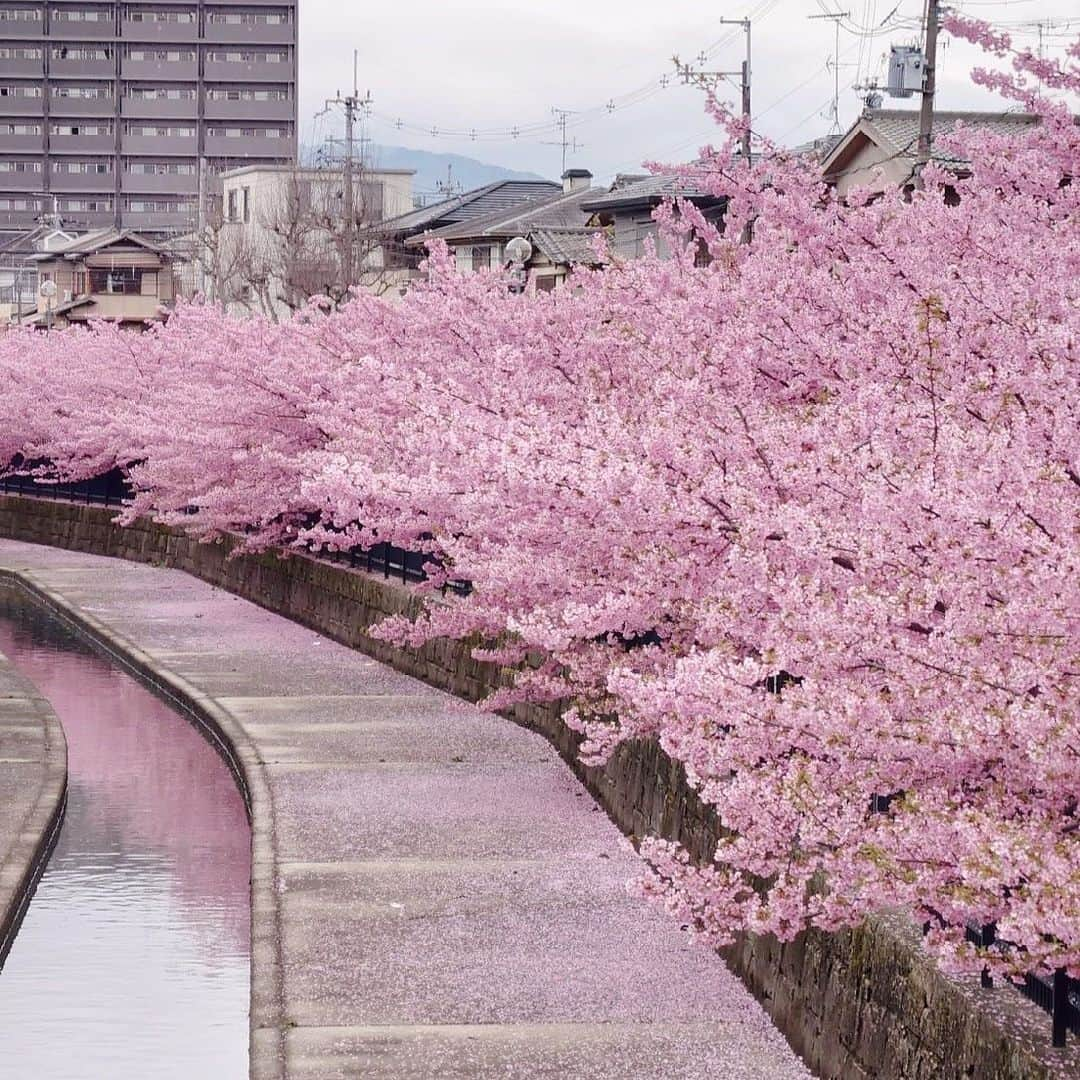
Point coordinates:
[[133, 960]]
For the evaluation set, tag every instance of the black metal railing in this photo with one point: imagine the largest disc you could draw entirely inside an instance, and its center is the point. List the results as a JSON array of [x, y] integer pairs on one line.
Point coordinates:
[[109, 489], [114, 489]]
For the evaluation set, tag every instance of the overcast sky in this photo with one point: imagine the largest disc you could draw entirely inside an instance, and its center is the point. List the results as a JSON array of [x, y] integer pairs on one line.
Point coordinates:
[[496, 65]]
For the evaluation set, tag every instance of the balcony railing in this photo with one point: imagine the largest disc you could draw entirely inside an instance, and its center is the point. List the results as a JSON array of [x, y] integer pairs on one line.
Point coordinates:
[[159, 70], [160, 183], [82, 144], [159, 108], [248, 110], [80, 106], [21, 144]]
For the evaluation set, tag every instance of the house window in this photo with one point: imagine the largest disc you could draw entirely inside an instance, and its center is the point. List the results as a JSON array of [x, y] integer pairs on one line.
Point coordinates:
[[119, 281], [245, 201]]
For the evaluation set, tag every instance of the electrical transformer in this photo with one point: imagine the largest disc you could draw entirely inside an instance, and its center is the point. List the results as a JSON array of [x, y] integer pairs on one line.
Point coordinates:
[[905, 70]]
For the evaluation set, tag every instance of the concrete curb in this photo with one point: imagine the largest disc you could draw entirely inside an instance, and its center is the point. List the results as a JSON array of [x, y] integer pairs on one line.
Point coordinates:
[[267, 1011], [22, 865]]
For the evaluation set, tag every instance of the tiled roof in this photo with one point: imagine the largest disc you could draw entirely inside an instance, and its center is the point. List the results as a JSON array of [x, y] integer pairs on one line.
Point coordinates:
[[95, 241], [473, 204], [650, 191], [558, 210], [900, 127], [566, 247]]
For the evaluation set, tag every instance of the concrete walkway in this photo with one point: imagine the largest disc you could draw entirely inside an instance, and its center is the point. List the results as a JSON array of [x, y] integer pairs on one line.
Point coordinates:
[[33, 784], [434, 893]]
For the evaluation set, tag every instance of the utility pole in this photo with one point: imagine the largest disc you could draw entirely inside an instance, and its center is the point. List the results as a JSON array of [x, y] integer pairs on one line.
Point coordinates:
[[353, 106], [836, 18], [926, 112], [705, 78]]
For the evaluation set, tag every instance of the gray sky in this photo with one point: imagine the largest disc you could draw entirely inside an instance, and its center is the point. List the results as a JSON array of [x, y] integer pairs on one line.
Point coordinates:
[[458, 65]]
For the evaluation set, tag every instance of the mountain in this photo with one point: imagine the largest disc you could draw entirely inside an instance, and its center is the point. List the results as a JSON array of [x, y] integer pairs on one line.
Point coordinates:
[[433, 170]]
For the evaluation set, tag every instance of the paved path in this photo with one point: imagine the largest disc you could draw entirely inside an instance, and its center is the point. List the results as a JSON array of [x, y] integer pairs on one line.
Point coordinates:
[[435, 894]]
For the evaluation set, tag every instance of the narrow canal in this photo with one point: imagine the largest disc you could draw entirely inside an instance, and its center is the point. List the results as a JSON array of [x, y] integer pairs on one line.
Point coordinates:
[[133, 960]]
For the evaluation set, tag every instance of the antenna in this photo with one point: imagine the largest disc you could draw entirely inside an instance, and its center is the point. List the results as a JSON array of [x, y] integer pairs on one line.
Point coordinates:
[[562, 116], [836, 17]]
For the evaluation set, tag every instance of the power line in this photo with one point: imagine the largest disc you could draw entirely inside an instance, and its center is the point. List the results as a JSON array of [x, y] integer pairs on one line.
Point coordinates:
[[553, 125]]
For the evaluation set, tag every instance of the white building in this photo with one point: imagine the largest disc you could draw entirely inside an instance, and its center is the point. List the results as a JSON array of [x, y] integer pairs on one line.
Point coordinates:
[[283, 235]]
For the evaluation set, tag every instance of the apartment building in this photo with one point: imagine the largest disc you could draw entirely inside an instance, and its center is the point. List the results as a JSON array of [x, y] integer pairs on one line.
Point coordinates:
[[125, 114]]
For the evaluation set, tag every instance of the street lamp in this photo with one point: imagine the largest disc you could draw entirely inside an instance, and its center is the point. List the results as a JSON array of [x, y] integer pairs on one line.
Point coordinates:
[[48, 292], [519, 252]]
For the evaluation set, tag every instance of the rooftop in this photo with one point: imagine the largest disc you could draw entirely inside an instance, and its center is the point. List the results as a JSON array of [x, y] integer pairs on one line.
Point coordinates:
[[897, 130], [631, 192], [95, 241], [556, 210], [307, 170], [480, 202]]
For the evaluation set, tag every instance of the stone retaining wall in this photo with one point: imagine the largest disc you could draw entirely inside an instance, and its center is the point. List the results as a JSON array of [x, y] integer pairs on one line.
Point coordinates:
[[33, 793], [859, 1004]]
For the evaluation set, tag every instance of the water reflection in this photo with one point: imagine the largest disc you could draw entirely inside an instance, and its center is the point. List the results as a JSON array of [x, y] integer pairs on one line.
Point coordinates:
[[132, 961]]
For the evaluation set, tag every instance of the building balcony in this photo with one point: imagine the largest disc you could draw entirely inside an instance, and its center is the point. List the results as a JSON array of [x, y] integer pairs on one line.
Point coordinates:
[[61, 68], [18, 219], [82, 144], [87, 219], [20, 181], [158, 221], [60, 106], [159, 70], [21, 106], [17, 28], [245, 146], [21, 144], [247, 34], [101, 184], [249, 111], [158, 32], [25, 69], [238, 71], [159, 184], [159, 109], [159, 145], [64, 30]]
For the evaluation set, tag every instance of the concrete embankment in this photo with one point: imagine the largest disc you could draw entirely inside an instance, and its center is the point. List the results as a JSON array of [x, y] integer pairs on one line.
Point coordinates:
[[33, 787]]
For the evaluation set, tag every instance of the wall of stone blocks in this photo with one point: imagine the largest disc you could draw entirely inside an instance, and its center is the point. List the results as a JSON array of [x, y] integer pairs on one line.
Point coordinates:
[[864, 1003]]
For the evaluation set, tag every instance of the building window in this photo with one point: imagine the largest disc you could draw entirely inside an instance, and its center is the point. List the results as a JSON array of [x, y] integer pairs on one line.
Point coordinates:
[[21, 129], [156, 131], [81, 52], [89, 168], [18, 91], [120, 281], [98, 128], [167, 56], [7, 165], [152, 16], [248, 18], [161, 168], [236, 93], [19, 53], [87, 15], [20, 15], [162, 93], [87, 93], [85, 205]]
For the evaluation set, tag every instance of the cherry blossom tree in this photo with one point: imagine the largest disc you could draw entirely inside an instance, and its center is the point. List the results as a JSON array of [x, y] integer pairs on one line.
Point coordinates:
[[807, 515]]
